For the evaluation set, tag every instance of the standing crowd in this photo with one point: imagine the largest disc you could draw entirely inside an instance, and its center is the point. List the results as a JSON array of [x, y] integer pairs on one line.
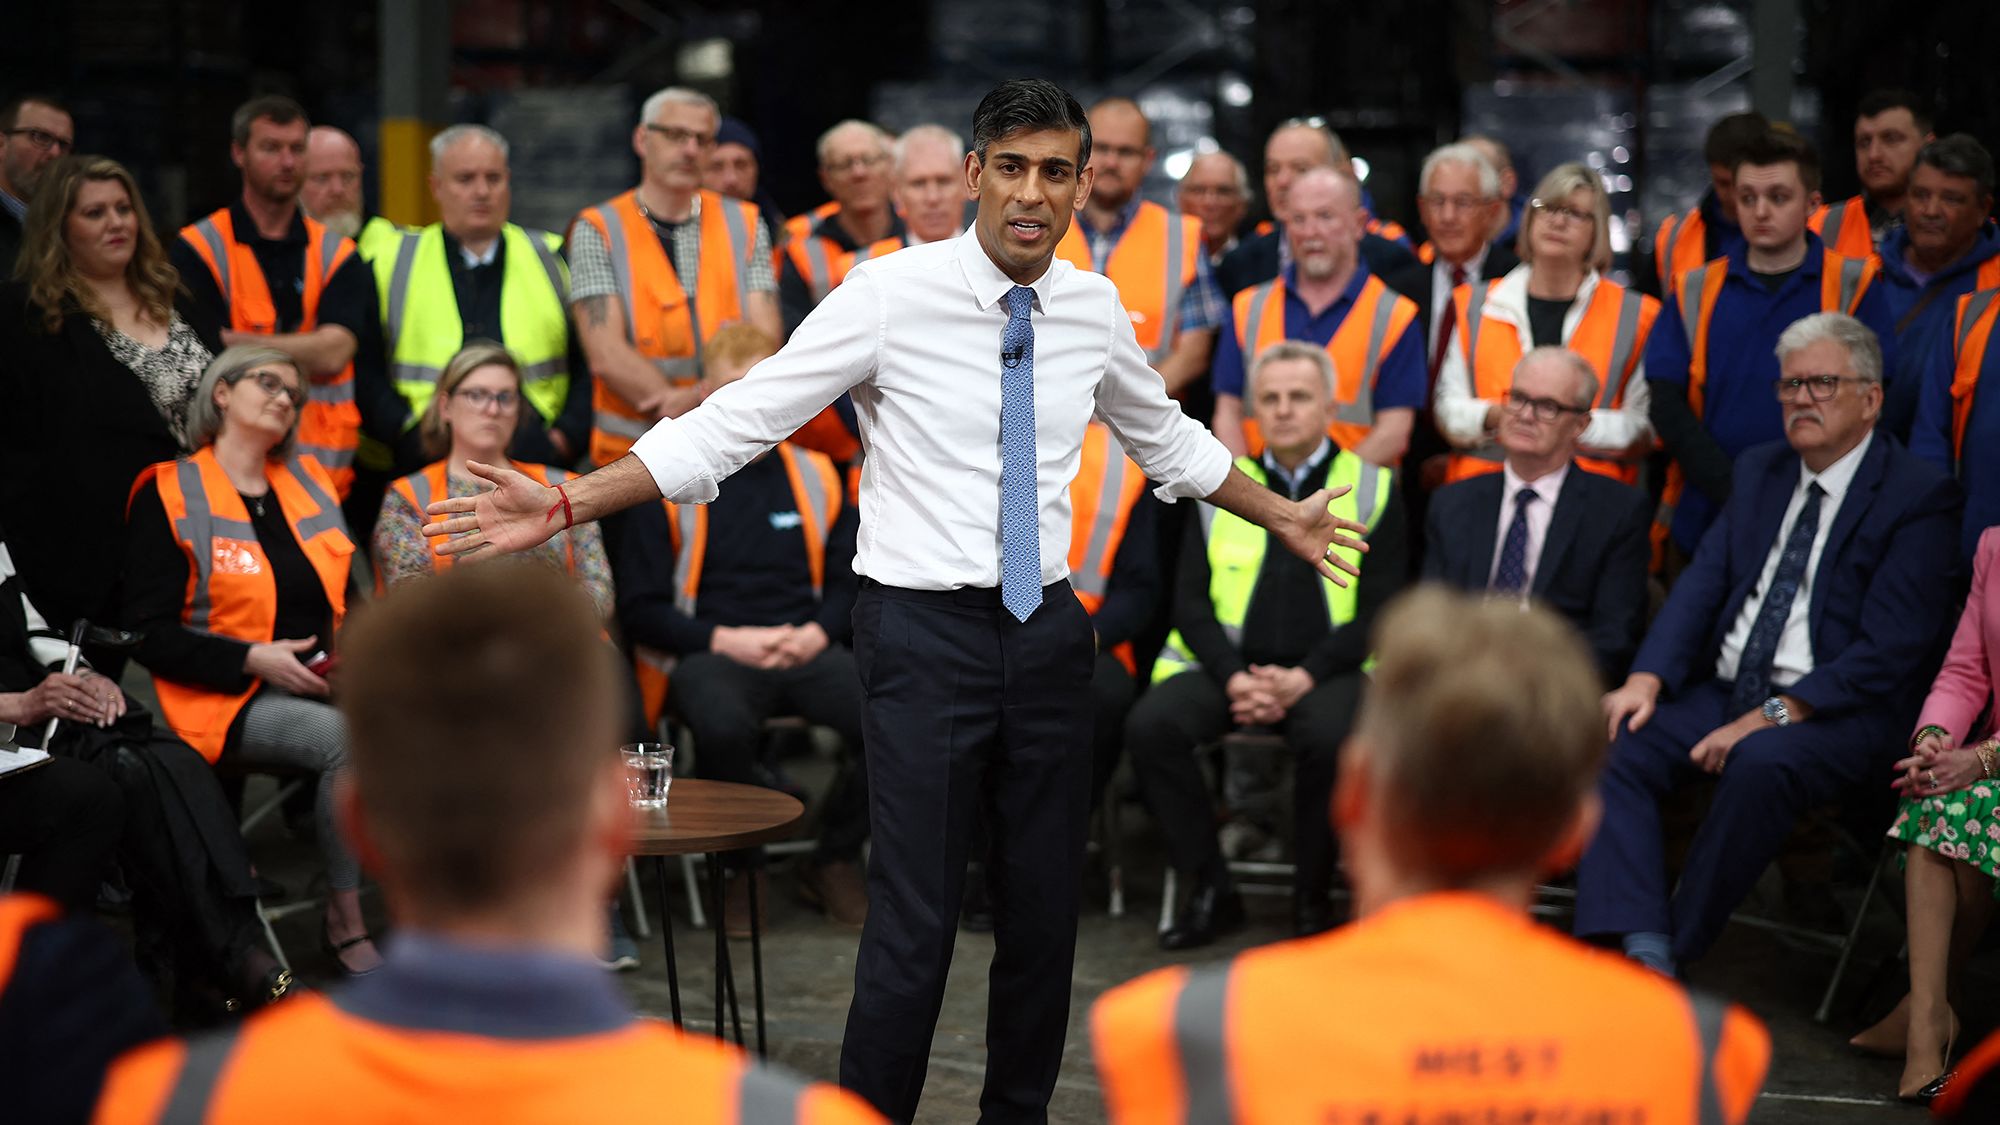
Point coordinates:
[[1731, 520]]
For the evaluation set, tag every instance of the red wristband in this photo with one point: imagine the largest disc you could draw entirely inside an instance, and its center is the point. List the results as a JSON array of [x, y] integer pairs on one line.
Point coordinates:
[[562, 501]]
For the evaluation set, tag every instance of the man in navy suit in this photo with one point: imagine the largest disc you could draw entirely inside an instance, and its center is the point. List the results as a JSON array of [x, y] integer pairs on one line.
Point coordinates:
[[1790, 658], [1544, 528]]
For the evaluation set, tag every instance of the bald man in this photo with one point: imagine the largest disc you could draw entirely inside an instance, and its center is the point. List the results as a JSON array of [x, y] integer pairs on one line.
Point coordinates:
[[1294, 149], [332, 193]]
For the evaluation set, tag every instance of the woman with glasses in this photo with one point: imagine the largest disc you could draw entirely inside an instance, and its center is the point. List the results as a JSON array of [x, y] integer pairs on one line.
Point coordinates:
[[236, 573], [101, 351], [1557, 295], [472, 418]]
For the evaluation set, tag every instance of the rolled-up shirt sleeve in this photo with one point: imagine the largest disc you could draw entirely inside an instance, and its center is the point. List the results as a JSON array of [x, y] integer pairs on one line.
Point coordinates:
[[834, 349], [1168, 446]]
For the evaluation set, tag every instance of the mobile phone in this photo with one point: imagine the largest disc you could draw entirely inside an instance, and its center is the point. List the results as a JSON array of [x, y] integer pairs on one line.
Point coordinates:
[[322, 663]]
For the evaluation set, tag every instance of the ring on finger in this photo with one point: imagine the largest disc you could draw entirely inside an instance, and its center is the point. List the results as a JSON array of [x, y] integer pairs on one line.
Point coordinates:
[[1930, 777]]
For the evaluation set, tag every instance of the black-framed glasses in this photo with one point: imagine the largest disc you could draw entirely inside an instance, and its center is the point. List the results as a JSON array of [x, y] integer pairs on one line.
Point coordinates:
[[1821, 388], [854, 163], [1561, 211], [43, 139], [1445, 204], [1544, 409], [675, 135], [273, 385], [479, 398]]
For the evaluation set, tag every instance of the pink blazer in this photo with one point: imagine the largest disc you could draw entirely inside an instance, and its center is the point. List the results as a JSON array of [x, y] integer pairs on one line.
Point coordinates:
[[1971, 670]]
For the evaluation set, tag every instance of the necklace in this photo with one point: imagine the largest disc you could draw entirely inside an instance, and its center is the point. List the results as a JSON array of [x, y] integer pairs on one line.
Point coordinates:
[[694, 213], [254, 503]]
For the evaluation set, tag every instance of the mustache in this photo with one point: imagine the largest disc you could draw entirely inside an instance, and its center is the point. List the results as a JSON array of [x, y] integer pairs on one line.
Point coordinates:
[[1804, 416]]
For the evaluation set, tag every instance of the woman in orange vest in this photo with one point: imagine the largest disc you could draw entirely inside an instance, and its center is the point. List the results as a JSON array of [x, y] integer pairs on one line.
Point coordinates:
[[472, 418], [236, 573], [1557, 295]]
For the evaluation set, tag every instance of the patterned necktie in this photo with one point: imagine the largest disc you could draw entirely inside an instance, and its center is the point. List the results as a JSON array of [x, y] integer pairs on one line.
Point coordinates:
[[1020, 518], [1512, 576], [1753, 670], [1447, 318]]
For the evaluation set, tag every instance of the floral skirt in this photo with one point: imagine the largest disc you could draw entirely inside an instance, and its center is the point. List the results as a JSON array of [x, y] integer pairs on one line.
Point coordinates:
[[1963, 825]]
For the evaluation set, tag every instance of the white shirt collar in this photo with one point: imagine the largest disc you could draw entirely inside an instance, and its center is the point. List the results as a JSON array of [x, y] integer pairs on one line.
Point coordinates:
[[989, 285], [1471, 265], [1547, 487], [1835, 479], [473, 261], [1292, 477]]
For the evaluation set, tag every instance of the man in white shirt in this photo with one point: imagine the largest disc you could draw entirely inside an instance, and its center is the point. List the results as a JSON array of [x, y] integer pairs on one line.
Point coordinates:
[[975, 365], [1789, 660]]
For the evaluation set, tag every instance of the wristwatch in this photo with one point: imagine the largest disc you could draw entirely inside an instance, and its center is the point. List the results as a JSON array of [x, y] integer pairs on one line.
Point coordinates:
[[1776, 713]]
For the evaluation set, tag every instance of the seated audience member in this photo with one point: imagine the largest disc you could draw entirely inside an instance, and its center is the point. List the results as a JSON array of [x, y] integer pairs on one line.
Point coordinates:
[[1328, 296], [1788, 659], [754, 613], [1951, 791], [102, 352], [1545, 528], [473, 416], [1467, 779], [1261, 640], [236, 573], [1557, 296], [1502, 159], [488, 1006], [1461, 205], [1958, 427], [70, 1003]]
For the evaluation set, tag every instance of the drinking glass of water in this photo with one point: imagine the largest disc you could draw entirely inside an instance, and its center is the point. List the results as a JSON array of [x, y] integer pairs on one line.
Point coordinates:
[[649, 773]]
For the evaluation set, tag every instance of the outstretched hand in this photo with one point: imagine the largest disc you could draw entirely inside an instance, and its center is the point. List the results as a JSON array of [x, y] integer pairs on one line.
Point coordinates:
[[1311, 532], [514, 515]]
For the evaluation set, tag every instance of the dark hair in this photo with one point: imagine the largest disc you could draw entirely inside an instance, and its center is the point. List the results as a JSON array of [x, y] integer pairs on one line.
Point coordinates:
[[1728, 137], [1959, 154], [275, 108], [1028, 104], [1882, 101], [1781, 144], [10, 113]]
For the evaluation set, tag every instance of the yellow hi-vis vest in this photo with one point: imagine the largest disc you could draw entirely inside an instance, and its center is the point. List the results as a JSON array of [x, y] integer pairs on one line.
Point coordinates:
[[1236, 554], [378, 237], [421, 328]]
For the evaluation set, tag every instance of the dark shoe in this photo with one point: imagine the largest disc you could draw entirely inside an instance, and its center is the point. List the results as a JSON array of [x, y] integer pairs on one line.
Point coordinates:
[[837, 888], [1210, 912], [1931, 1090], [976, 915], [736, 891], [328, 947]]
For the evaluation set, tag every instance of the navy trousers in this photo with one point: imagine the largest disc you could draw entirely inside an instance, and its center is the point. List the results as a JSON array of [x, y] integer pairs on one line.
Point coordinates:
[[970, 714], [1770, 779]]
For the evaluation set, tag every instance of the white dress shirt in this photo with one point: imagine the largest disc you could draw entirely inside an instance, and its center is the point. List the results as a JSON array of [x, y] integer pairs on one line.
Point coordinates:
[[915, 337], [46, 651], [1794, 657], [1539, 514], [1441, 288]]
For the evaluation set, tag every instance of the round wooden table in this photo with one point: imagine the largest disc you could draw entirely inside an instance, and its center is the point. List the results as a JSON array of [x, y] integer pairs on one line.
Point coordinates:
[[708, 818]]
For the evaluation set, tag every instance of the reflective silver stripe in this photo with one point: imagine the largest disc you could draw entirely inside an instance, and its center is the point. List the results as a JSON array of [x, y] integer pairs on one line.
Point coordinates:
[[328, 517], [822, 506], [1170, 309], [329, 249], [1664, 250], [420, 486], [551, 265], [331, 394], [414, 373], [1709, 1014], [1835, 224], [739, 252], [537, 372], [690, 526], [218, 247], [329, 457], [1365, 490], [765, 1098], [1974, 309], [201, 1067], [1850, 282], [1259, 298], [399, 290], [1475, 308], [679, 367], [1623, 342], [819, 275], [197, 530], [621, 265], [1362, 410], [1201, 1036], [617, 425], [1092, 576], [1691, 286]]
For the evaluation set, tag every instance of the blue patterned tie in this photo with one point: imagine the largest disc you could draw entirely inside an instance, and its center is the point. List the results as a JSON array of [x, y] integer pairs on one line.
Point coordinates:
[[1753, 670], [1020, 517], [1512, 575]]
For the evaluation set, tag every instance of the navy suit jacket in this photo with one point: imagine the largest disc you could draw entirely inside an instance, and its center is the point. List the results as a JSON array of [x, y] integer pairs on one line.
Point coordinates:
[[1883, 598], [1592, 568]]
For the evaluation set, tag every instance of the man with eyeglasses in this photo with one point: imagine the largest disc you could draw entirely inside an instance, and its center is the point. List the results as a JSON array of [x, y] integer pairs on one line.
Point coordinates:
[[1216, 190], [1790, 658], [1460, 201], [1543, 527], [658, 270], [38, 129], [859, 223]]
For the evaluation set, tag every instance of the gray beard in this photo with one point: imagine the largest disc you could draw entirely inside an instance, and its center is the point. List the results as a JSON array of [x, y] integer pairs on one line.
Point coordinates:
[[346, 224]]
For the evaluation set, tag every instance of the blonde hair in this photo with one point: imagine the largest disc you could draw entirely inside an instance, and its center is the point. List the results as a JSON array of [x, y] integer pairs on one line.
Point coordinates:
[[204, 418], [1483, 728], [1563, 181], [433, 429], [735, 343], [45, 262]]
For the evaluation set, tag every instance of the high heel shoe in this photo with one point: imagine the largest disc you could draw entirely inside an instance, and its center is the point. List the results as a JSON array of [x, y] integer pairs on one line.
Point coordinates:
[[333, 952], [1929, 1091]]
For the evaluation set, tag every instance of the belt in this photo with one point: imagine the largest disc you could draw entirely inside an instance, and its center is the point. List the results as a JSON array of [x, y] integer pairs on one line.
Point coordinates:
[[978, 597]]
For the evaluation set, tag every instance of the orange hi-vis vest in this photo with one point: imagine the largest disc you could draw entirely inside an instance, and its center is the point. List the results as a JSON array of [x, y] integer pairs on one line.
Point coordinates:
[[1972, 332], [1156, 261], [665, 323], [330, 423], [1843, 226], [1843, 282], [1106, 487], [820, 261], [1366, 336], [432, 483], [20, 913], [307, 1061], [231, 591], [1451, 1008], [816, 487], [1681, 244], [1611, 335]]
